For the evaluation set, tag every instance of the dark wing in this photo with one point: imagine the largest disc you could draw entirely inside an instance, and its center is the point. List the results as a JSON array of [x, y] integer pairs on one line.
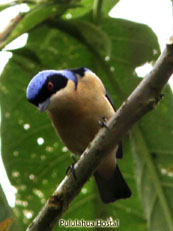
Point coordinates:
[[110, 100], [119, 153]]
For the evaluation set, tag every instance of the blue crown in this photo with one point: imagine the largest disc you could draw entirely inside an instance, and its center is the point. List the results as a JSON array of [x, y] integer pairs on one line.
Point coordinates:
[[39, 80]]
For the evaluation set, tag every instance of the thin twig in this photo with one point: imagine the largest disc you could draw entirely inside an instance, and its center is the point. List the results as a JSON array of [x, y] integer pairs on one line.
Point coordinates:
[[142, 100], [9, 28]]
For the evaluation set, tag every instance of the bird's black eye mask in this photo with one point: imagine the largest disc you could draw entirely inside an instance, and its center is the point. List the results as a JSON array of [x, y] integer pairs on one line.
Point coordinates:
[[53, 84]]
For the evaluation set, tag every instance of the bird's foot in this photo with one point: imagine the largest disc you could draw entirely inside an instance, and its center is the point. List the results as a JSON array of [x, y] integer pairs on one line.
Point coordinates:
[[103, 122], [71, 167]]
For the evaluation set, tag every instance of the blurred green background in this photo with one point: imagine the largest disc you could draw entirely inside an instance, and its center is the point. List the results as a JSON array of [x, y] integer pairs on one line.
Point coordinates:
[[80, 33]]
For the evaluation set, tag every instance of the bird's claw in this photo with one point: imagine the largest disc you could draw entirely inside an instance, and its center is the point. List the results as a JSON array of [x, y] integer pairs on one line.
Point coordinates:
[[71, 168], [103, 122]]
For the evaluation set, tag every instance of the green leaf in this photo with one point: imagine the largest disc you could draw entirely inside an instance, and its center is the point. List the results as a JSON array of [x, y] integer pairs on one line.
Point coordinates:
[[129, 50], [153, 155], [95, 36], [100, 7], [77, 12], [108, 5], [87, 33], [35, 17]]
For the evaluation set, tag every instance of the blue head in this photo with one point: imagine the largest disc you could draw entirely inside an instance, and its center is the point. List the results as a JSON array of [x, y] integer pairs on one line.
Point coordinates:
[[48, 82]]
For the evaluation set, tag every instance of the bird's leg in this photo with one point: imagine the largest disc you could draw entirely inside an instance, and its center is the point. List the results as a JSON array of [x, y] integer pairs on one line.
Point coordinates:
[[103, 122], [71, 167]]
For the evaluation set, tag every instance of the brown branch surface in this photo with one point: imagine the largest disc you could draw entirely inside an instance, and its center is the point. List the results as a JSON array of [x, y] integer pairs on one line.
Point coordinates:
[[8, 29], [142, 100]]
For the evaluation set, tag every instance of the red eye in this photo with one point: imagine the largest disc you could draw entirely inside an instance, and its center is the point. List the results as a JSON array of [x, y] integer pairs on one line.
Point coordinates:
[[50, 86]]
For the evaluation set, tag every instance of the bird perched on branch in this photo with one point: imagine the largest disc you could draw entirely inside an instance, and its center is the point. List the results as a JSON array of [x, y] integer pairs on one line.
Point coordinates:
[[76, 101]]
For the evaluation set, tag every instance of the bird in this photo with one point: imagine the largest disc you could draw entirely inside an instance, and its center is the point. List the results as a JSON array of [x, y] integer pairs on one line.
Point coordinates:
[[76, 102]]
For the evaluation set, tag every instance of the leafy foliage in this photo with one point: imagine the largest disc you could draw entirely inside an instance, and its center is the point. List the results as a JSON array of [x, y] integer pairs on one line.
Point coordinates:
[[36, 160]]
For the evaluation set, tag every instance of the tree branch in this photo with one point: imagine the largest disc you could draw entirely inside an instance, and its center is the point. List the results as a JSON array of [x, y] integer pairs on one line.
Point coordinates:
[[9, 28], [142, 100]]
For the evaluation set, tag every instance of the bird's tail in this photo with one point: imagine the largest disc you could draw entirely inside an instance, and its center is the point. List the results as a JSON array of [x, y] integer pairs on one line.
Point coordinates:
[[114, 188]]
